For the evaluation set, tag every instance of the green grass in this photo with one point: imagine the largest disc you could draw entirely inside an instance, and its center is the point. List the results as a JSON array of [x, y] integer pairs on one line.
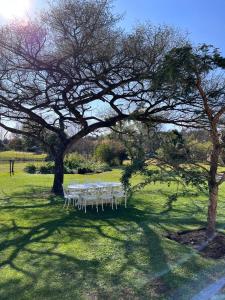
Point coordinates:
[[47, 252], [25, 156]]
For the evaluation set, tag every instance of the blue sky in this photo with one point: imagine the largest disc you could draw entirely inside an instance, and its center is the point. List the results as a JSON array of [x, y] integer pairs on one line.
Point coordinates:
[[204, 20]]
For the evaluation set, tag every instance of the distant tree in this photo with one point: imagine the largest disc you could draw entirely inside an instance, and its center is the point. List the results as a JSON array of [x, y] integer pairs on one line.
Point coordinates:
[[140, 139], [30, 144], [85, 146], [199, 151], [111, 152], [16, 143], [104, 153], [2, 146], [120, 152], [174, 148]]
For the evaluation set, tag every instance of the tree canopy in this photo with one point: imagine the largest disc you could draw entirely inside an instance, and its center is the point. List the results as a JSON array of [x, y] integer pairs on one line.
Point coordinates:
[[74, 68]]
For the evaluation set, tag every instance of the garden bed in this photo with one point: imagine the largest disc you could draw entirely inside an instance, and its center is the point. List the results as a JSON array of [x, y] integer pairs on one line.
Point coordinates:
[[197, 239]]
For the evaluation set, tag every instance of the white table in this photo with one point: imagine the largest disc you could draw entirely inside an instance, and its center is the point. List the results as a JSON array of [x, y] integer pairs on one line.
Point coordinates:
[[87, 198], [86, 186]]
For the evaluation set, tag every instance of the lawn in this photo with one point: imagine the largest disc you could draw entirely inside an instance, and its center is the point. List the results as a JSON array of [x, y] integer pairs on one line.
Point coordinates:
[[47, 252], [23, 156]]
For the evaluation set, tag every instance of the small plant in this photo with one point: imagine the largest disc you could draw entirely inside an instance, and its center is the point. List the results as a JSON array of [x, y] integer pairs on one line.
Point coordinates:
[[99, 167], [47, 168], [31, 168]]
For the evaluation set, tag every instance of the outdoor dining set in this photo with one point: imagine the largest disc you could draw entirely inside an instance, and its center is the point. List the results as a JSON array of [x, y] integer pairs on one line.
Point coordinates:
[[94, 195]]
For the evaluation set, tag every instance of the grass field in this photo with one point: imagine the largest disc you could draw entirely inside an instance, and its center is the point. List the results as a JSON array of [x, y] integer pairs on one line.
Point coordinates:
[[23, 156], [47, 252]]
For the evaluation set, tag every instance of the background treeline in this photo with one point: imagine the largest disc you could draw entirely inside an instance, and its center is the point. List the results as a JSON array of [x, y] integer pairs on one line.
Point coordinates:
[[113, 148]]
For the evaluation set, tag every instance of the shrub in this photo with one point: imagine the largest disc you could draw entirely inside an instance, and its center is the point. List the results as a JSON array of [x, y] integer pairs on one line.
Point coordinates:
[[200, 150], [74, 161], [104, 153], [84, 170], [99, 167], [73, 164], [111, 152], [31, 168], [47, 168]]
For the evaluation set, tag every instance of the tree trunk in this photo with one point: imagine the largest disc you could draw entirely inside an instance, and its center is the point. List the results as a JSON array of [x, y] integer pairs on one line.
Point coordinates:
[[57, 187], [213, 185], [212, 210]]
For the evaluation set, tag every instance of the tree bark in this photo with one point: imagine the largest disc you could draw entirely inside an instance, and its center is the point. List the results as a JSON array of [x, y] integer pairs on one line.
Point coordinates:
[[212, 210], [57, 187], [213, 185]]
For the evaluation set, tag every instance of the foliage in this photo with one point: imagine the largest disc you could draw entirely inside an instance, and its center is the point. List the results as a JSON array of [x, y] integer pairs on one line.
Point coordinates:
[[47, 168], [179, 174], [170, 165], [74, 164], [173, 148], [198, 143], [103, 152], [135, 167], [100, 167], [93, 61], [2, 146], [139, 139], [31, 168], [110, 152], [196, 76], [199, 151], [16, 144], [74, 160]]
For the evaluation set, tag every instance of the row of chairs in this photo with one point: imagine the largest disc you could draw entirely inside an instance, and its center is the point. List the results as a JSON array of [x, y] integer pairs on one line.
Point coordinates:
[[94, 197]]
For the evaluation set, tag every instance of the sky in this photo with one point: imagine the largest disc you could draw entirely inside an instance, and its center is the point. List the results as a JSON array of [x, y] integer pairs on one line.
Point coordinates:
[[203, 20]]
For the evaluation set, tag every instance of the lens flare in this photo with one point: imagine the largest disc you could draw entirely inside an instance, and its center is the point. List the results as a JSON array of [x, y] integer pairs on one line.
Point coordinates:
[[10, 9]]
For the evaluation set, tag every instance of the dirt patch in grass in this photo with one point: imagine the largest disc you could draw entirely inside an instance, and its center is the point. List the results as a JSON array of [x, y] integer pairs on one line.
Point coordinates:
[[214, 248], [160, 287]]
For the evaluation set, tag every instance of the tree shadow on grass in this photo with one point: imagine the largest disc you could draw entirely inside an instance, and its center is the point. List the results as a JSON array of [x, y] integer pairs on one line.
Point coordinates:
[[34, 197], [49, 256]]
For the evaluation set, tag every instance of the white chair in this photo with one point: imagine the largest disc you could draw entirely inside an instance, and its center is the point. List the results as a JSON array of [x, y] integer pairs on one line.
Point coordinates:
[[77, 196], [90, 197], [68, 197], [106, 196], [119, 193]]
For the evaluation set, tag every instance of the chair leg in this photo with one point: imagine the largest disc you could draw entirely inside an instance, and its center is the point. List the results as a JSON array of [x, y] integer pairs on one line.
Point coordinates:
[[116, 203], [102, 206], [79, 204], [65, 200]]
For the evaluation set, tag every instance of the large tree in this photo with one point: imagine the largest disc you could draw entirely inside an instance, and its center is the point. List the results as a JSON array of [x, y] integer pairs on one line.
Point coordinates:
[[197, 75], [74, 68]]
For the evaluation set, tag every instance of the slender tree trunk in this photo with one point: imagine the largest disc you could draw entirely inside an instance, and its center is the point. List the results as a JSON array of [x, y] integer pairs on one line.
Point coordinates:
[[57, 187], [212, 210], [213, 185]]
